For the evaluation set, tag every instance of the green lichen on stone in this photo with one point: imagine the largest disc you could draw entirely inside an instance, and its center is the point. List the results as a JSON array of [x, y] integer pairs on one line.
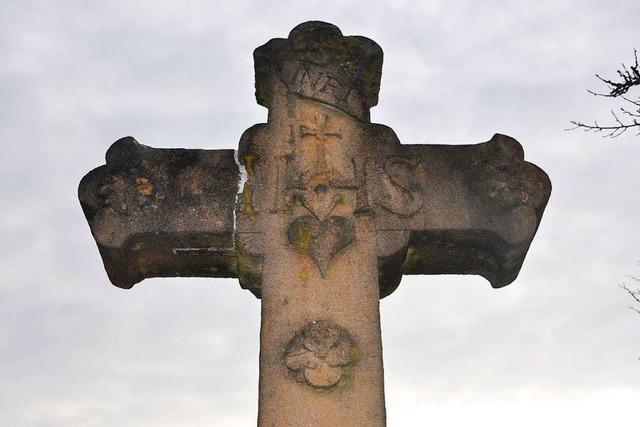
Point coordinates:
[[262, 95], [249, 271]]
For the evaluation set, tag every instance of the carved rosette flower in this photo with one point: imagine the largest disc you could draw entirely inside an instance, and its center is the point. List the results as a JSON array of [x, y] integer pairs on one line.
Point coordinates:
[[318, 354]]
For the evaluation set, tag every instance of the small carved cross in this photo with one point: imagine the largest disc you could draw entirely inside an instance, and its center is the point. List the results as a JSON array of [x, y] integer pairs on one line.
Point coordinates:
[[320, 253], [321, 135]]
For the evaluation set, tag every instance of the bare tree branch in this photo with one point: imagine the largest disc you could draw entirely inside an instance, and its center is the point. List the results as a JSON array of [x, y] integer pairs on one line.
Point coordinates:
[[635, 293], [636, 103], [630, 77], [611, 131]]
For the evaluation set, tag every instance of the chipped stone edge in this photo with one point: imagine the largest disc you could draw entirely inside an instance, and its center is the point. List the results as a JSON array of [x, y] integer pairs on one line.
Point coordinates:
[[244, 176]]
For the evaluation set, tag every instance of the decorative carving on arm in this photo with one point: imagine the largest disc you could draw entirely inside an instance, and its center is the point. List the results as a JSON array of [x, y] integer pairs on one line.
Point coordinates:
[[401, 192], [162, 212], [490, 207], [320, 354]]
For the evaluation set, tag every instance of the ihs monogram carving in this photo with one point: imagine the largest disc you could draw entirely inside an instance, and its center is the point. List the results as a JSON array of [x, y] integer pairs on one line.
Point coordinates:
[[400, 191], [314, 187], [319, 354], [317, 174]]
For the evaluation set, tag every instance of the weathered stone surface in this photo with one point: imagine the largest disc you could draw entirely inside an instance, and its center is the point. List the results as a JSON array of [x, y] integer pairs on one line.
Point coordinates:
[[474, 210], [160, 212], [333, 211]]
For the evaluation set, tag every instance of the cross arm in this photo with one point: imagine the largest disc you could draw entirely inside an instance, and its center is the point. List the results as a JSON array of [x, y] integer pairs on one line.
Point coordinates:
[[162, 212], [459, 209]]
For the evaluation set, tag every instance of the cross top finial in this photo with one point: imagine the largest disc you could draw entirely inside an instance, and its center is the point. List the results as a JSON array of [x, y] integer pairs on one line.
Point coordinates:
[[317, 62]]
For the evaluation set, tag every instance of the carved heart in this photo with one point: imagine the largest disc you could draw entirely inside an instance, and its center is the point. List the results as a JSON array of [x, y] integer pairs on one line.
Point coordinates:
[[321, 240]]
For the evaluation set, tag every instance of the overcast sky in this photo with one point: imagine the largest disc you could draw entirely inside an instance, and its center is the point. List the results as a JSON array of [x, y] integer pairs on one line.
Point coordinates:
[[557, 347]]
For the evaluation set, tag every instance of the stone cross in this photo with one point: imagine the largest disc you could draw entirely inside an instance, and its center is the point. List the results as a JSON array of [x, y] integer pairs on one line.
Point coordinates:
[[320, 212]]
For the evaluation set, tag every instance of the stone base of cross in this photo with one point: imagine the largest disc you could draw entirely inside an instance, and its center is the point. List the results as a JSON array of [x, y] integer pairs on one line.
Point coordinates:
[[319, 213]]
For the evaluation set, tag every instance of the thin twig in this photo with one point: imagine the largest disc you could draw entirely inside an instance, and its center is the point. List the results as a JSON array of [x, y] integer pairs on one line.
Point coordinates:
[[630, 77]]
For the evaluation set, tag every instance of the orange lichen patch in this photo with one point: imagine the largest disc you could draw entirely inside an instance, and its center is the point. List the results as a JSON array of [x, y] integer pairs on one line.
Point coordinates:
[[144, 186]]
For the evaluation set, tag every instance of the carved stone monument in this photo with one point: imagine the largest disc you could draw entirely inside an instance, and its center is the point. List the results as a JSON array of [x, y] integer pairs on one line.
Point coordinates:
[[320, 212]]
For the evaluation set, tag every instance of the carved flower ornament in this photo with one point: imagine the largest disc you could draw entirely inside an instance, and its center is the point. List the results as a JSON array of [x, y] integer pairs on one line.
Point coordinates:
[[318, 354]]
